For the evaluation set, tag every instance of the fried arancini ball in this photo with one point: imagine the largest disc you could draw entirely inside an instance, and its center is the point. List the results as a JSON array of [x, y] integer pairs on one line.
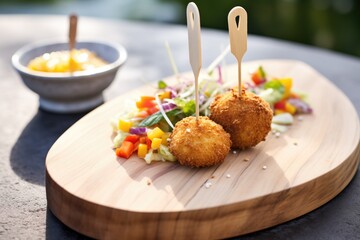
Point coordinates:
[[199, 143], [247, 119]]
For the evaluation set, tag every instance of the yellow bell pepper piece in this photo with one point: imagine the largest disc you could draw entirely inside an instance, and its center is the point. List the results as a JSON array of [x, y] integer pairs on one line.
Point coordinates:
[[290, 108], [142, 150], [164, 95], [278, 111], [287, 82], [156, 142], [124, 125], [165, 139], [155, 133]]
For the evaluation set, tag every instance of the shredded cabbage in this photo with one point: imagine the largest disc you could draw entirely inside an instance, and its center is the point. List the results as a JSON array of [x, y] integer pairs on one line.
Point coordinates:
[[166, 154], [157, 99], [271, 95], [119, 138], [152, 156]]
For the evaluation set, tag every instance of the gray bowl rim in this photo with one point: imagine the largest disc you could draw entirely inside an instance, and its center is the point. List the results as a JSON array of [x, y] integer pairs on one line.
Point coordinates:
[[78, 74]]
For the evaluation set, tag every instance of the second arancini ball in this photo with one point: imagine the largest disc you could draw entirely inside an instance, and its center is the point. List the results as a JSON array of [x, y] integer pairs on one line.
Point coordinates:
[[247, 119], [199, 143]]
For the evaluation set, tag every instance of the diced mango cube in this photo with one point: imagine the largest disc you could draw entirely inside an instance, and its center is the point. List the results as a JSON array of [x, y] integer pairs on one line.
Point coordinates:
[[124, 125], [290, 108], [164, 95], [142, 150], [156, 142], [155, 133], [287, 82], [165, 138], [278, 111]]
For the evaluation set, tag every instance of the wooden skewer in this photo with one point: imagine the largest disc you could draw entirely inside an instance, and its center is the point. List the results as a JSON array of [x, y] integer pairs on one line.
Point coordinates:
[[73, 19], [237, 21], [193, 25]]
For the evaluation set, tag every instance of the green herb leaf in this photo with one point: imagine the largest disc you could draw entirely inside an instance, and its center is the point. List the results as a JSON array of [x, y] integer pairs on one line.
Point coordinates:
[[151, 120], [187, 106], [162, 84], [276, 85], [157, 117], [261, 72]]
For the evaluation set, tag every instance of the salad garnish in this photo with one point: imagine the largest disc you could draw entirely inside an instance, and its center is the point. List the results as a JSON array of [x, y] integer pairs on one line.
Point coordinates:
[[146, 128]]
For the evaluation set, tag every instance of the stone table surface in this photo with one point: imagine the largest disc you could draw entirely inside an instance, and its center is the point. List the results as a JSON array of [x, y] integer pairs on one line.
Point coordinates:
[[27, 132]]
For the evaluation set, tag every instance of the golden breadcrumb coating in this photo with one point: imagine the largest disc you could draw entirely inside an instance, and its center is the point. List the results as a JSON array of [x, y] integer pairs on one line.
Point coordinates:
[[247, 119], [200, 143]]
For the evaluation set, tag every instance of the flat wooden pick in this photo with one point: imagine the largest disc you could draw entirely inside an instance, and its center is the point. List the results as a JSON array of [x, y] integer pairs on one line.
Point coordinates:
[[73, 19], [237, 21], [193, 25]]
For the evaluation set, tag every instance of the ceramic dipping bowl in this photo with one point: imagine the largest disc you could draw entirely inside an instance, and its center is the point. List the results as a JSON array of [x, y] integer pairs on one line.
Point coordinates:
[[79, 91]]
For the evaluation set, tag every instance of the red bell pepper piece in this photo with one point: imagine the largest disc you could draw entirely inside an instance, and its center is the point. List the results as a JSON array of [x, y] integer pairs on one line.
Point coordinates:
[[152, 110], [281, 105], [142, 114], [145, 140], [148, 143], [146, 102], [125, 150], [257, 79], [132, 138]]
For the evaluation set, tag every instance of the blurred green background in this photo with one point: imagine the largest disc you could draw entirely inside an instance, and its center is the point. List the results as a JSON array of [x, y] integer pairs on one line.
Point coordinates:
[[332, 24]]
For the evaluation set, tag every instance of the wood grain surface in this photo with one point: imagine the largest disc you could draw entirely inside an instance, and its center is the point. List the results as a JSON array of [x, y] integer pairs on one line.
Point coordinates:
[[101, 196]]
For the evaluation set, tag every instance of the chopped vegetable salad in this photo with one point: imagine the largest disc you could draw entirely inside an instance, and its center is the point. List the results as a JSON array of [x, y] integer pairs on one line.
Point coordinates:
[[146, 129]]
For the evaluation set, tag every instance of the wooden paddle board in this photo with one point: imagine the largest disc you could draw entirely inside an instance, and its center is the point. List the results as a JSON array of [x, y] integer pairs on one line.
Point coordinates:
[[97, 194]]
